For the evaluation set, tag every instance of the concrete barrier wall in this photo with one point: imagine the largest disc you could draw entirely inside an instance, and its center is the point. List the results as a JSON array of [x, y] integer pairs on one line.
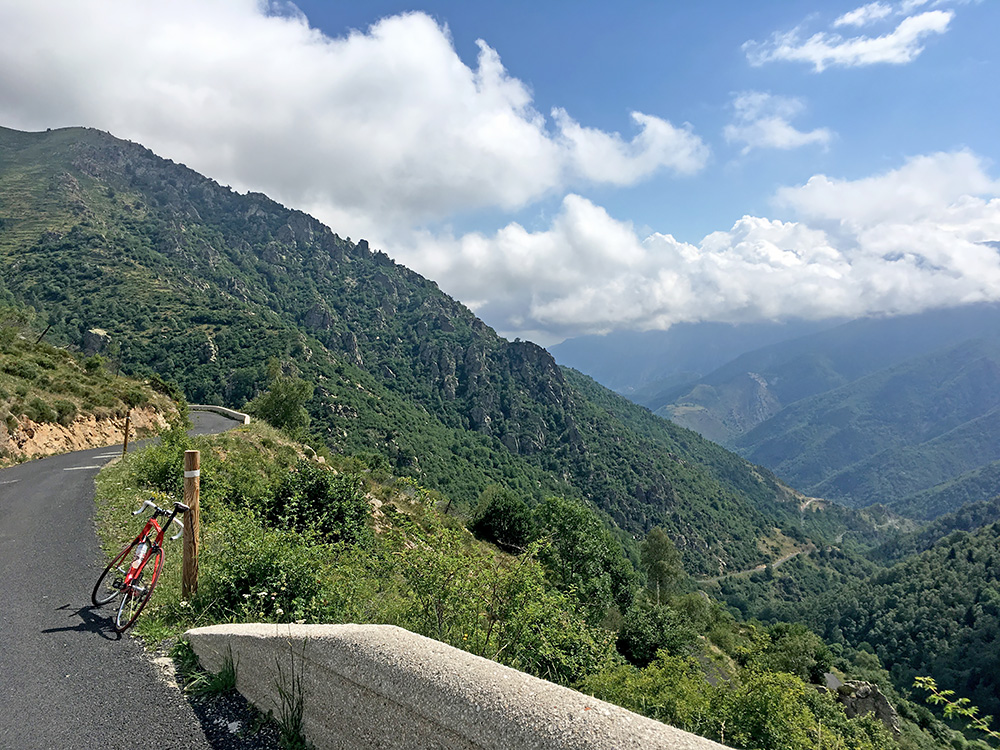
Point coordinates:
[[379, 686], [231, 413]]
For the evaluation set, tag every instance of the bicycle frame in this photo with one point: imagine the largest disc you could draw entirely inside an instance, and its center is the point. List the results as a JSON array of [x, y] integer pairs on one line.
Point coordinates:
[[139, 564]]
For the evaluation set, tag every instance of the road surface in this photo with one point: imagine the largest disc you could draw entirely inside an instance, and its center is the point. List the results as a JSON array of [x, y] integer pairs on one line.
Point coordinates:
[[67, 680]]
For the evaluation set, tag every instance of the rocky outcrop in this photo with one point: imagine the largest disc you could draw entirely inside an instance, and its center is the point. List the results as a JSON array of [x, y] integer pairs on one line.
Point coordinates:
[[319, 318], [862, 698], [95, 341]]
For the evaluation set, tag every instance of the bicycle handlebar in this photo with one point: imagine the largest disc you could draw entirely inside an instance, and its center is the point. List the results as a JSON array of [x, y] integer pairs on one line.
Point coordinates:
[[178, 508], [179, 523], [146, 504]]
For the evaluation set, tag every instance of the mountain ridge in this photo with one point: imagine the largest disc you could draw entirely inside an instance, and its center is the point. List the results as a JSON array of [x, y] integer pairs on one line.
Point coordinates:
[[204, 285]]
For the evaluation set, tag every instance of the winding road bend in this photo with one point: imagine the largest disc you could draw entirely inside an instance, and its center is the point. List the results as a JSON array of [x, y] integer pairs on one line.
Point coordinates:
[[67, 680]]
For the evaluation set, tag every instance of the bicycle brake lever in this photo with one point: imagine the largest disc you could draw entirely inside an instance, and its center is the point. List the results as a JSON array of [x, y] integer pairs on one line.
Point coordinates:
[[179, 533]]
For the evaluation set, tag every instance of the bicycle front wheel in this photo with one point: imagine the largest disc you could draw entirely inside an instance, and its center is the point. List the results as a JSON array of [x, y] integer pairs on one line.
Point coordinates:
[[137, 593], [108, 586]]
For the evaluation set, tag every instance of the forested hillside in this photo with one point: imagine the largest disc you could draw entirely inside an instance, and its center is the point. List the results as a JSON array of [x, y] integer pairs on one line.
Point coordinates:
[[894, 411], [926, 604], [935, 613], [892, 433], [205, 286]]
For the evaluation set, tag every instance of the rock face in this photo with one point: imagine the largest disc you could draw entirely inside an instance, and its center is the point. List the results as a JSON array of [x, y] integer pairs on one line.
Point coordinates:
[[319, 318], [32, 439], [95, 341], [861, 698]]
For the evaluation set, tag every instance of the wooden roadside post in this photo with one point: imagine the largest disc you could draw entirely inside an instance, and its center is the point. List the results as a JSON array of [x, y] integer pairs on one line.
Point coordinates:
[[128, 424], [192, 490]]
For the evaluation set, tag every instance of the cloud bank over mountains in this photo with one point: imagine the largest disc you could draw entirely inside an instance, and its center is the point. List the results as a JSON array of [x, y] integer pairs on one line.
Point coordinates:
[[387, 134], [908, 239]]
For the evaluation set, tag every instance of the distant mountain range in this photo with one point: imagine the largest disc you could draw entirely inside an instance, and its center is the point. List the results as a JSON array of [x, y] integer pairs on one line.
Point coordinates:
[[645, 364], [900, 411]]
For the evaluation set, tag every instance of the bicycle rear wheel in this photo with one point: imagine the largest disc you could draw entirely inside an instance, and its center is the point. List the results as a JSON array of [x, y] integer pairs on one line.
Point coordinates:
[[108, 586], [137, 593]]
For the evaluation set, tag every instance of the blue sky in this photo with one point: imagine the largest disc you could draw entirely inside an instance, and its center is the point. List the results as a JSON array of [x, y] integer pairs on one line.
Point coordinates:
[[572, 167]]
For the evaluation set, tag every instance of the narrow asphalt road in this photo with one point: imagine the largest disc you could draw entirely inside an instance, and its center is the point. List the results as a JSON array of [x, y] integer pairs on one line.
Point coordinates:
[[67, 680]]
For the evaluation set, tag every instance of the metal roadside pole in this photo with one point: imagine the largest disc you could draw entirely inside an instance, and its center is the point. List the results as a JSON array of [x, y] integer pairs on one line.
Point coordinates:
[[192, 490]]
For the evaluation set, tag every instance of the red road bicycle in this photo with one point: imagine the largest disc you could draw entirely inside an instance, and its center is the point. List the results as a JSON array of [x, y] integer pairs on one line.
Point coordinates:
[[143, 557]]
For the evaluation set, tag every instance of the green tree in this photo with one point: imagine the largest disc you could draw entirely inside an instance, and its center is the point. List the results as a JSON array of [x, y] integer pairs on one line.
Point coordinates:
[[767, 710], [794, 649], [503, 518], [283, 403], [662, 563], [583, 556], [647, 630]]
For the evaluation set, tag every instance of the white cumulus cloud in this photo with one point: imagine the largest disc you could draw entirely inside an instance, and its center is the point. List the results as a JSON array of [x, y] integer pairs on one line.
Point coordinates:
[[382, 127], [920, 236], [864, 15], [762, 121], [606, 157], [822, 50]]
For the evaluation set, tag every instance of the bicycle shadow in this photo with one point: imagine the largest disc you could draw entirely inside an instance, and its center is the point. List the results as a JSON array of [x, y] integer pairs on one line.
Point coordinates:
[[90, 622]]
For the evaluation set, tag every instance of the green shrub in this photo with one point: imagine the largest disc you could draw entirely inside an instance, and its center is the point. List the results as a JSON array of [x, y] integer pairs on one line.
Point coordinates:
[[65, 411], [134, 397], [166, 387], [283, 404], [647, 630], [503, 519], [38, 411], [21, 368], [497, 607], [672, 689], [161, 467], [45, 362], [252, 572], [313, 498]]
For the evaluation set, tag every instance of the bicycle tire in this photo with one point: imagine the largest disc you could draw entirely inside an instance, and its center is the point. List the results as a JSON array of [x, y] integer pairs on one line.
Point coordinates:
[[101, 596], [133, 602]]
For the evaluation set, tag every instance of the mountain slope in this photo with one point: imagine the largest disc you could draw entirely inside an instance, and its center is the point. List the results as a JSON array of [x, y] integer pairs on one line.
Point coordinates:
[[890, 434], [205, 285], [934, 613]]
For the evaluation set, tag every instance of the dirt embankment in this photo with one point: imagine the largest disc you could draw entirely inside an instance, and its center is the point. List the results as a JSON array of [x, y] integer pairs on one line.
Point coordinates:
[[33, 440]]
